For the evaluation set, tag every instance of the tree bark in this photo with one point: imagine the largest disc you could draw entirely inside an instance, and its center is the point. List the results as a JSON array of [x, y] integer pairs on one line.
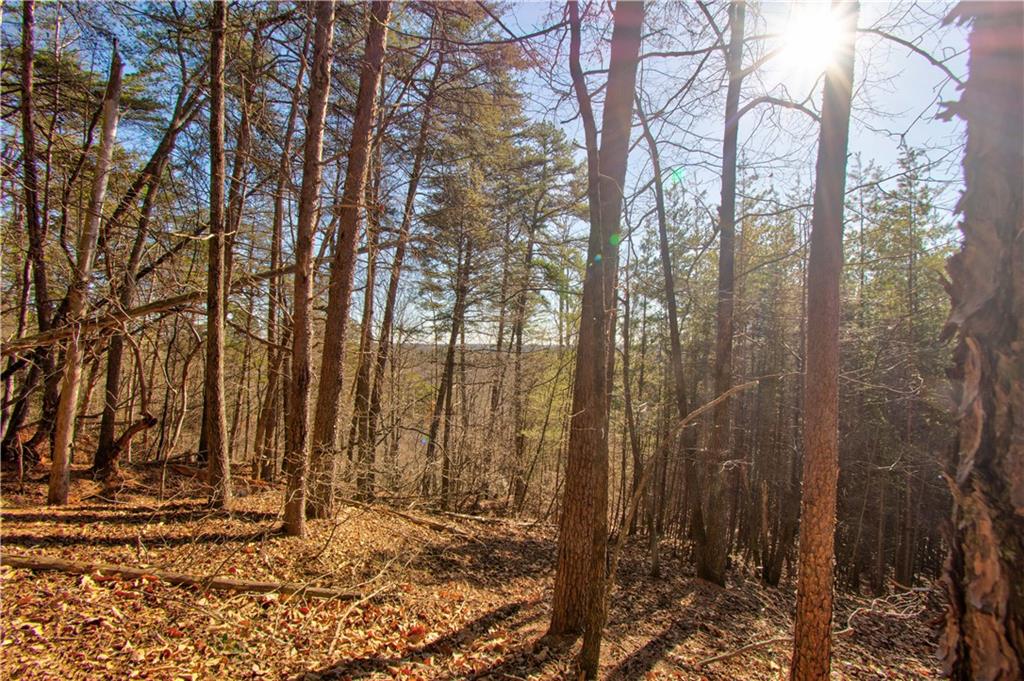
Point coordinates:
[[60, 473], [297, 423], [579, 595], [983, 637], [324, 456], [812, 640], [214, 411], [713, 543], [43, 362]]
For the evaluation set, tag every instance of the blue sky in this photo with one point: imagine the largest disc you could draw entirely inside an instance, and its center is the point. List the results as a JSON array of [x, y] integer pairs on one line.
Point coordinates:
[[897, 95]]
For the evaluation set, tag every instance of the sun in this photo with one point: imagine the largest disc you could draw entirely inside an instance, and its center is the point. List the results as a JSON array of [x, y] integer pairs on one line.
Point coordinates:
[[810, 41]]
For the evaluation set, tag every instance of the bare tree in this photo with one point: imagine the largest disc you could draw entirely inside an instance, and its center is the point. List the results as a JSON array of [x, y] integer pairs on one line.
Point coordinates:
[[297, 432], [60, 473], [325, 424], [812, 639], [215, 420]]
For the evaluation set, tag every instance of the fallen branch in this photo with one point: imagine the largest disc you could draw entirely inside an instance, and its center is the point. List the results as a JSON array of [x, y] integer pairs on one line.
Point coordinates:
[[38, 563], [762, 644], [425, 522], [740, 651]]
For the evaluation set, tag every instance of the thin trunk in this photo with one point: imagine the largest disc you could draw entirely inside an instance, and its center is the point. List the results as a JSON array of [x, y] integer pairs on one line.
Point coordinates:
[[713, 542], [445, 384], [387, 321], [266, 425], [60, 473], [153, 172]]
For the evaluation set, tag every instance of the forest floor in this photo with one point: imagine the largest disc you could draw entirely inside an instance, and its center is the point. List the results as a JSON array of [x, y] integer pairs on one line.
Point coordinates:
[[452, 599]]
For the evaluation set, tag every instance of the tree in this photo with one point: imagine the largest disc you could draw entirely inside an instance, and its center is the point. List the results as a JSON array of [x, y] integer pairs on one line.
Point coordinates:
[[579, 597], [60, 472], [297, 433], [983, 636], [712, 528], [812, 638], [214, 421], [325, 425]]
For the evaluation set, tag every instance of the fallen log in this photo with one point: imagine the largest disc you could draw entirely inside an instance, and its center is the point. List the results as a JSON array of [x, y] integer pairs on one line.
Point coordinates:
[[39, 563]]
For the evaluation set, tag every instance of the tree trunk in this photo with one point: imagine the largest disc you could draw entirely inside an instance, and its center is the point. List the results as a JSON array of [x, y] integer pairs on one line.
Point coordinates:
[[324, 458], [297, 411], [713, 543], [445, 386], [34, 225], [387, 321], [266, 424], [359, 443], [579, 594], [812, 638], [214, 411], [60, 473], [153, 171], [984, 629]]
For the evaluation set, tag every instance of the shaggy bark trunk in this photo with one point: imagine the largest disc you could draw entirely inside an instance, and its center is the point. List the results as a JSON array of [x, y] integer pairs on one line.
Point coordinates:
[[812, 637], [984, 627]]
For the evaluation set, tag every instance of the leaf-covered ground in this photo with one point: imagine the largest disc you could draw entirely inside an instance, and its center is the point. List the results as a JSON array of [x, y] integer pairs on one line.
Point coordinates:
[[465, 602]]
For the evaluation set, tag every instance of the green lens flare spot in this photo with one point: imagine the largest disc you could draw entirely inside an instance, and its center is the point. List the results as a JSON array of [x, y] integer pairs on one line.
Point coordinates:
[[597, 258], [677, 175], [615, 239]]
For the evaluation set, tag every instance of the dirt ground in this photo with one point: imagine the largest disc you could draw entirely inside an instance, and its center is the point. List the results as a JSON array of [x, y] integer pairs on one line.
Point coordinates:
[[459, 599]]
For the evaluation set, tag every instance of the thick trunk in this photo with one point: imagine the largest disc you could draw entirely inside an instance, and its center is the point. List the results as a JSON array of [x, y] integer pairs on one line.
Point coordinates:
[[812, 638], [214, 417], [579, 596], [60, 473], [984, 628], [324, 458], [34, 224], [296, 457]]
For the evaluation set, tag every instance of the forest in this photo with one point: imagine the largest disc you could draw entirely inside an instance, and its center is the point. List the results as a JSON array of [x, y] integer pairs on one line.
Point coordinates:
[[501, 340]]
